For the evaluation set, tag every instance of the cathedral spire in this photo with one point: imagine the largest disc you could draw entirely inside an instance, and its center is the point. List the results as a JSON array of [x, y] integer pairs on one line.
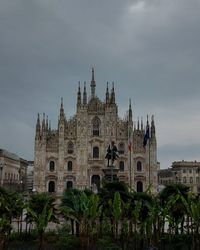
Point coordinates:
[[62, 115], [112, 98], [107, 94], [38, 127], [79, 95], [43, 122], [138, 124], [84, 94], [49, 126], [93, 85], [47, 121], [130, 113], [153, 130], [142, 128]]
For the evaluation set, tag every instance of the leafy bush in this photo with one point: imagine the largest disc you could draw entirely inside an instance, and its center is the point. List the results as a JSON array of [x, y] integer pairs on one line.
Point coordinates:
[[107, 243]]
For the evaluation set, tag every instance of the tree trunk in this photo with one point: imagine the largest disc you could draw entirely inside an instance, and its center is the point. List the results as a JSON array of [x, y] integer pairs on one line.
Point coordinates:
[[41, 240]]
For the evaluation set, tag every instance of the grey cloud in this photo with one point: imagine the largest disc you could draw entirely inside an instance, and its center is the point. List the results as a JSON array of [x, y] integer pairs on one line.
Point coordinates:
[[150, 49]]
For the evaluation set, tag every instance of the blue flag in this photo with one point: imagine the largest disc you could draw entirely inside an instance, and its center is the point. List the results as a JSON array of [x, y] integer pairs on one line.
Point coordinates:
[[146, 136]]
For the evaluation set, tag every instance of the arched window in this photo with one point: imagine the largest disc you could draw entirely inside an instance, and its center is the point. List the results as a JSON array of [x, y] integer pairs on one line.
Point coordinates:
[[139, 166], [95, 152], [69, 166], [70, 148], [96, 126], [139, 187], [51, 166], [69, 184], [51, 188], [121, 148], [121, 166]]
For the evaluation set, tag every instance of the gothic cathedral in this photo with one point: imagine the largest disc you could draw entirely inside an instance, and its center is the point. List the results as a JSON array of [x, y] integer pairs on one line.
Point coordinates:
[[74, 154]]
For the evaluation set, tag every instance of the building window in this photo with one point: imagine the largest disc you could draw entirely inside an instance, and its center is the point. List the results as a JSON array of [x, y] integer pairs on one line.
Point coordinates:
[[51, 188], [70, 148], [69, 166], [121, 148], [184, 171], [191, 179], [95, 152], [96, 126], [184, 179], [139, 166], [5, 176], [121, 166], [51, 166], [197, 179], [190, 171], [69, 184]]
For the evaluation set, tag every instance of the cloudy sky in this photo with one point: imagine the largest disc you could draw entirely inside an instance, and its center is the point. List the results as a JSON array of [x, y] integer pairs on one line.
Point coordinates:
[[149, 48]]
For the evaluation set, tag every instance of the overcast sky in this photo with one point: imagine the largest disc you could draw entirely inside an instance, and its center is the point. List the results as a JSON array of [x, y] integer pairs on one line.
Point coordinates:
[[149, 48]]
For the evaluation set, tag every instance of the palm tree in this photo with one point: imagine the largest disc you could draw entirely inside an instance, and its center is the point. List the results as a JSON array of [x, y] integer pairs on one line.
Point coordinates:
[[11, 206], [41, 210], [172, 202], [71, 209], [106, 194], [192, 206]]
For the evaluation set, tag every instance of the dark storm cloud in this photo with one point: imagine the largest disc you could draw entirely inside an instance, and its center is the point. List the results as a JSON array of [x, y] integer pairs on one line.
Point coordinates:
[[149, 48]]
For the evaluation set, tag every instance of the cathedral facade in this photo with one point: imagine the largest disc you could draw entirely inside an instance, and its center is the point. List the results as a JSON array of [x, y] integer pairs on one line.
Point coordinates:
[[74, 154]]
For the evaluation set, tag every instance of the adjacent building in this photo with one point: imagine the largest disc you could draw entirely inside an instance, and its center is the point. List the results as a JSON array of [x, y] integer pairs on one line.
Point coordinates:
[[73, 155], [29, 182], [185, 172], [13, 171]]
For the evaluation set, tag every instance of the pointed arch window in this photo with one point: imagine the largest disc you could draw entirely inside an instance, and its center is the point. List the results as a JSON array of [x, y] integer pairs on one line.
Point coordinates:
[[51, 166], [139, 166], [121, 148], [69, 165], [70, 148], [96, 126], [95, 152]]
